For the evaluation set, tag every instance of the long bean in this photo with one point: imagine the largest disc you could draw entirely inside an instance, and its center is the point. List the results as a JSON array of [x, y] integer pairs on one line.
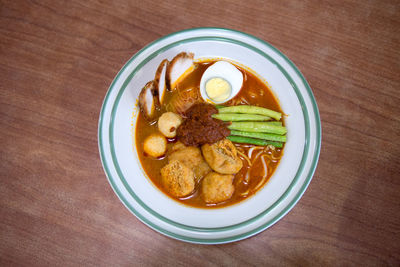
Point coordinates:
[[277, 123], [251, 110], [253, 141], [259, 127], [240, 117], [219, 106], [265, 136]]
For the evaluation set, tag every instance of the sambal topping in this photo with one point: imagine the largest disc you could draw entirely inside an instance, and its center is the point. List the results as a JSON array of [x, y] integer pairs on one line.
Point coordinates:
[[200, 128]]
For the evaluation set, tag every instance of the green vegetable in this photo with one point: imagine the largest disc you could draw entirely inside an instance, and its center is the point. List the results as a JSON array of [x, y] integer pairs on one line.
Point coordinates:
[[251, 110], [240, 117], [253, 141], [277, 123], [266, 136], [219, 106], [260, 127]]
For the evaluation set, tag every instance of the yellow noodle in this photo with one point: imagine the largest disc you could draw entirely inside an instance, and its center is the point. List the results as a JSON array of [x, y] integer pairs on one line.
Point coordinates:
[[238, 147], [250, 152], [273, 157], [247, 177], [244, 101], [244, 156], [264, 176], [245, 193], [268, 157], [255, 158]]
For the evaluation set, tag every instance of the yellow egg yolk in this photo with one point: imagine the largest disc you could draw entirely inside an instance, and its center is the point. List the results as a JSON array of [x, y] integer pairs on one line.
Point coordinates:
[[218, 89]]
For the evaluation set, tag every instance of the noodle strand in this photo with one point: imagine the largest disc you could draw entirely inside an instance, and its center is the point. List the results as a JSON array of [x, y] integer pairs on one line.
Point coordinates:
[[247, 177], [244, 156], [264, 176], [250, 152], [256, 157]]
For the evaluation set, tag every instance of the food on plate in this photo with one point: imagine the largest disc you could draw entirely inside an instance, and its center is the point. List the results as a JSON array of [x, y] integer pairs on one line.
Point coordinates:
[[212, 132], [246, 109], [200, 128], [238, 138], [218, 89], [220, 82], [160, 80], [183, 99], [240, 117], [177, 178], [168, 123], [155, 145], [256, 126], [148, 100], [191, 157], [222, 157], [180, 66], [217, 187]]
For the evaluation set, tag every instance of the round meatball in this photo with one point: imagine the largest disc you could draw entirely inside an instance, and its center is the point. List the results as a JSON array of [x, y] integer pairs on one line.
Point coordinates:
[[222, 157], [177, 178], [168, 123], [155, 145], [217, 187]]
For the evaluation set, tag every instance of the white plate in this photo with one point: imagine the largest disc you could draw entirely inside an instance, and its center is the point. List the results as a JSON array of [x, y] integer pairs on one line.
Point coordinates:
[[286, 186]]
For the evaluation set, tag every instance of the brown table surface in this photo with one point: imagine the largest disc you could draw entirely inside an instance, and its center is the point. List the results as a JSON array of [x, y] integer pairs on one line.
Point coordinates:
[[57, 59]]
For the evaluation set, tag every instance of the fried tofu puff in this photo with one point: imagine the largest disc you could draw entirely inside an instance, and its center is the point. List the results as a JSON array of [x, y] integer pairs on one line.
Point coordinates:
[[217, 187], [177, 178], [191, 157], [222, 157]]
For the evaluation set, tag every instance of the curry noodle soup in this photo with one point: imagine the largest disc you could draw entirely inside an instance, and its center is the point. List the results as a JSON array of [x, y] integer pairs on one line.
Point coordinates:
[[208, 186]]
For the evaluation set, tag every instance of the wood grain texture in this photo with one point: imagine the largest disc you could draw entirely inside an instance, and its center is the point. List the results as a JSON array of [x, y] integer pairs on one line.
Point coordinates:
[[57, 59]]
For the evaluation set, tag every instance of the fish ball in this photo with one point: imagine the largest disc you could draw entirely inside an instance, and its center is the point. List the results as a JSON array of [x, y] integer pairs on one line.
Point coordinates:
[[168, 123], [155, 145]]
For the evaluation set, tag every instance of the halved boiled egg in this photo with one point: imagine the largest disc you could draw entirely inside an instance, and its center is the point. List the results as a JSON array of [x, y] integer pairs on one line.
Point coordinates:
[[220, 82]]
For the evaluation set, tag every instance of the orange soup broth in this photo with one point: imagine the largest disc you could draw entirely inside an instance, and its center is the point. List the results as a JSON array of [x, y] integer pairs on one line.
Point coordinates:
[[249, 180]]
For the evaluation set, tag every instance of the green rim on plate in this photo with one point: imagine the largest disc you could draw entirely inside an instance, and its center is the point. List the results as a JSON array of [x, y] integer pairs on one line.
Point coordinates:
[[219, 229]]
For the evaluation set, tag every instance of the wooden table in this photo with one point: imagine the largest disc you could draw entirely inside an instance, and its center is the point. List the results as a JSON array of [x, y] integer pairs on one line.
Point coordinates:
[[57, 59]]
